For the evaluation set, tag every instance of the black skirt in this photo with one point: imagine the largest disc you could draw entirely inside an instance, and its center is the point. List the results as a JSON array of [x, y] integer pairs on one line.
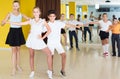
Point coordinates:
[[45, 39], [63, 31], [103, 35], [15, 37]]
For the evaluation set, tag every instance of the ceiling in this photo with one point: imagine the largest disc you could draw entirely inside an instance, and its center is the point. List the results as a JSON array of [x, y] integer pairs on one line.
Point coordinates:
[[92, 2]]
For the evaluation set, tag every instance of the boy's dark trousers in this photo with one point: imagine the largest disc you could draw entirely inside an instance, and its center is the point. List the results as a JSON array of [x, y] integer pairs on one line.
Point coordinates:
[[71, 35], [85, 32], [115, 40]]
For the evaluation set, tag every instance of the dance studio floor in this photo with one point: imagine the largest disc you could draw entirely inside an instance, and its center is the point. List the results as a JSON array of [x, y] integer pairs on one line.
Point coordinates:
[[88, 63]]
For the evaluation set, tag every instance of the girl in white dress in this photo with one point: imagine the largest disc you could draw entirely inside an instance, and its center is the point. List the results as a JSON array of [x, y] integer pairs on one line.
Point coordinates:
[[35, 39]]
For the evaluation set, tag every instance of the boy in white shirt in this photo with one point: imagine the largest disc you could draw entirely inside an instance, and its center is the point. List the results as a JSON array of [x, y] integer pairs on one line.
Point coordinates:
[[54, 37], [72, 32]]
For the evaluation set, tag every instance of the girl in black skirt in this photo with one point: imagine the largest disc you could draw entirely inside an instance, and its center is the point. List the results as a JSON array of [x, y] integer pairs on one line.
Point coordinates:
[[104, 33], [15, 36]]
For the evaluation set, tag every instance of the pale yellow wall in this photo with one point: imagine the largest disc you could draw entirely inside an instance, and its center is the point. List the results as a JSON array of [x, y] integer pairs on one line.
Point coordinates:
[[84, 10], [72, 8], [26, 8], [5, 7], [63, 9]]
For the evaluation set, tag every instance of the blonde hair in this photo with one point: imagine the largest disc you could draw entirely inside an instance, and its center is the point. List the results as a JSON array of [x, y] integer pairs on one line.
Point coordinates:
[[37, 8], [16, 1]]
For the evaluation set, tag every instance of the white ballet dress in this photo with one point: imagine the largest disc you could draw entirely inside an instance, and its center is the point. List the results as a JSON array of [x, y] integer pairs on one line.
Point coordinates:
[[36, 29]]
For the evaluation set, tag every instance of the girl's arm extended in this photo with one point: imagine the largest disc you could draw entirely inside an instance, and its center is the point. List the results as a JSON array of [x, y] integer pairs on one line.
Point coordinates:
[[20, 23], [5, 19]]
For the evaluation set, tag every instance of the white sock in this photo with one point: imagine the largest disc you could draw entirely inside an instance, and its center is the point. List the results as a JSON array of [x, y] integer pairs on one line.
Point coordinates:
[[32, 74], [49, 74], [107, 47], [103, 48]]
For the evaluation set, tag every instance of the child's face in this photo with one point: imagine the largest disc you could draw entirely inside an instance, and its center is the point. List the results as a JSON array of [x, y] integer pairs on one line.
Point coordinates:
[[62, 17], [71, 17], [105, 17], [115, 21], [52, 17], [36, 13], [16, 6]]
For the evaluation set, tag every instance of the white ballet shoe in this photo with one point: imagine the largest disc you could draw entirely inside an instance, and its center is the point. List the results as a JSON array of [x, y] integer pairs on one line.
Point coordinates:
[[49, 74], [32, 74]]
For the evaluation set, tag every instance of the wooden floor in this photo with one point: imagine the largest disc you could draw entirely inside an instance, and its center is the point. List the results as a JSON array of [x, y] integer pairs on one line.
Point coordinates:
[[88, 63]]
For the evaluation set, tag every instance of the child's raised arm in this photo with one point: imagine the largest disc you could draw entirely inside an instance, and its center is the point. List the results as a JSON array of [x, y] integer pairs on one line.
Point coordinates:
[[5, 19], [110, 28], [74, 26], [20, 23], [94, 22], [25, 17]]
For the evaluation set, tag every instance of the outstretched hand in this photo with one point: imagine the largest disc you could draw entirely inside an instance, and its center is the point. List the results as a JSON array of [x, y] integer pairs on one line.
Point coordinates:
[[8, 22], [3, 23]]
